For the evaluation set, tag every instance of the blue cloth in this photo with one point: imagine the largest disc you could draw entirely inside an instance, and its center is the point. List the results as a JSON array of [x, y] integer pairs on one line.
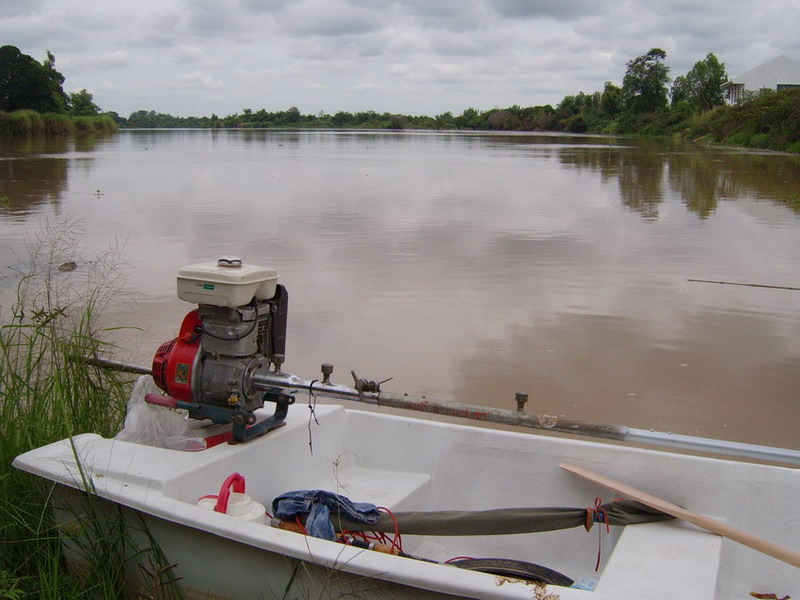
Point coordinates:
[[316, 507]]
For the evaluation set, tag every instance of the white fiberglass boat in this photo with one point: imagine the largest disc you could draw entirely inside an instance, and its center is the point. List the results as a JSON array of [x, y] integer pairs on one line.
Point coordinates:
[[448, 491]]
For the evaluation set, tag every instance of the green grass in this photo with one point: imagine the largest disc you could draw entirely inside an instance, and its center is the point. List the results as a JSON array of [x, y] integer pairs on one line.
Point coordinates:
[[47, 394], [24, 123], [770, 121]]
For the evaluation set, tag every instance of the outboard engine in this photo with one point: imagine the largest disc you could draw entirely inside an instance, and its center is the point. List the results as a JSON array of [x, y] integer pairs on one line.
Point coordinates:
[[235, 334]]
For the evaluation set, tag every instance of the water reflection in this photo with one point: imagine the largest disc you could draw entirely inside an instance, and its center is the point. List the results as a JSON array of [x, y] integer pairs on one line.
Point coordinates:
[[34, 172], [701, 178], [472, 266], [700, 379], [27, 183]]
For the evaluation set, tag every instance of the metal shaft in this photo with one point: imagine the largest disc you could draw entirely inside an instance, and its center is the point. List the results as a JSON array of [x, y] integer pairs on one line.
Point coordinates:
[[287, 382], [542, 422]]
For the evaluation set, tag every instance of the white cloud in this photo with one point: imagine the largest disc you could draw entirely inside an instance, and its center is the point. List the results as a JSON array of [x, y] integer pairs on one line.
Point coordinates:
[[411, 56], [198, 80], [15, 8], [107, 86], [187, 54]]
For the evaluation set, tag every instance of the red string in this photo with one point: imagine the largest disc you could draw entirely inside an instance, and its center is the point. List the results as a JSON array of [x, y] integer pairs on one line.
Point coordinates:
[[393, 541], [597, 514], [396, 540], [455, 558], [298, 521]]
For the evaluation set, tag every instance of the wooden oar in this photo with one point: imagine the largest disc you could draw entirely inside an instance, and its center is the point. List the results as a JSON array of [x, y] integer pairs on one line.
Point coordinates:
[[712, 525]]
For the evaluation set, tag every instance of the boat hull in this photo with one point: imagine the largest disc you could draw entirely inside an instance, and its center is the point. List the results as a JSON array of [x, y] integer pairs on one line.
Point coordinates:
[[415, 464]]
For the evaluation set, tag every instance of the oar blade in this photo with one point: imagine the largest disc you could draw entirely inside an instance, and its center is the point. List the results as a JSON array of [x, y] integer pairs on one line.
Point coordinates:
[[707, 523]]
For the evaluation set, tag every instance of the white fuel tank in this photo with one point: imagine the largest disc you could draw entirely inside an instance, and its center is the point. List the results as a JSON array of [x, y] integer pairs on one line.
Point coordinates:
[[226, 282]]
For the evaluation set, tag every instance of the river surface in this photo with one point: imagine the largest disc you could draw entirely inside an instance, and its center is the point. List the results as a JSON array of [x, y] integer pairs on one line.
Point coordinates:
[[466, 266]]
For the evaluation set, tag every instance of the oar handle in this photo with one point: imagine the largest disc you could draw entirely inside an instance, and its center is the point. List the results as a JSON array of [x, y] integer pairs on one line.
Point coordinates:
[[756, 543]]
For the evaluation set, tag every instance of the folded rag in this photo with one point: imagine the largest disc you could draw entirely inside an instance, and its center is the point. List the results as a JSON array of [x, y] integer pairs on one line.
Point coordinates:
[[316, 507]]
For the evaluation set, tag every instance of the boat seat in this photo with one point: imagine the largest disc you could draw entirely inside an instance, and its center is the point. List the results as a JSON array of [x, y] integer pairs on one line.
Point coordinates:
[[388, 489], [649, 557]]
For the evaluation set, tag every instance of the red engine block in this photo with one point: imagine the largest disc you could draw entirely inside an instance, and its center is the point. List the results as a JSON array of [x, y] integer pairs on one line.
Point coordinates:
[[174, 360]]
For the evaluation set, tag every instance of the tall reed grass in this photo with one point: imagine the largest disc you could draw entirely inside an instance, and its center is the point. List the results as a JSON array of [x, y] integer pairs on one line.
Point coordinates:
[[48, 393], [23, 123]]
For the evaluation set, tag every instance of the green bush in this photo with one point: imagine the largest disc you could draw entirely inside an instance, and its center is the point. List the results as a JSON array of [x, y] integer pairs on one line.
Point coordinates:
[[793, 147], [58, 124], [760, 140], [31, 122], [741, 138]]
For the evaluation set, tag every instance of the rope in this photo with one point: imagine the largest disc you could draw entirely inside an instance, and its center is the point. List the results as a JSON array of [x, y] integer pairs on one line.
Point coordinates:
[[312, 413]]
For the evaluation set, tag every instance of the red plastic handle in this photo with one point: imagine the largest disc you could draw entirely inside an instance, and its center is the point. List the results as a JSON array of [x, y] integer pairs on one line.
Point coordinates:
[[234, 481], [161, 400]]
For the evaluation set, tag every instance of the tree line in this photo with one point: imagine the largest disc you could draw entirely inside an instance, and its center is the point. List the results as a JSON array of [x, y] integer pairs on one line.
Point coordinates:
[[648, 102], [643, 96], [33, 100], [26, 84]]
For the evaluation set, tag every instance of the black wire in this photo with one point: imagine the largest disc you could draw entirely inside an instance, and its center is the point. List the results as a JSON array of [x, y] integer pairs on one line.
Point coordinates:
[[312, 407], [204, 331]]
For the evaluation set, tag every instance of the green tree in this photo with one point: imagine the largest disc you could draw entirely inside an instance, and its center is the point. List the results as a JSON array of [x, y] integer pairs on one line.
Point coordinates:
[[681, 91], [702, 86], [445, 120], [81, 104], [469, 119], [644, 87], [27, 84], [342, 119], [611, 100], [292, 115], [56, 82]]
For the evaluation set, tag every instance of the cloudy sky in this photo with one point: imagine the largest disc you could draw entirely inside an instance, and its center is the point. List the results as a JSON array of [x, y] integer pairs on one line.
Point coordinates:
[[197, 57]]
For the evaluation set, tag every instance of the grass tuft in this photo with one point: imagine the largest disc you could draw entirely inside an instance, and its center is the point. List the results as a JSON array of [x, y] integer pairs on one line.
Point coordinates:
[[28, 123], [47, 393]]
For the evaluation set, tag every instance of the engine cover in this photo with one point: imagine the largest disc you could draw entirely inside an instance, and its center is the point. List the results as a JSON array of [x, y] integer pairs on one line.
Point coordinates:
[[175, 361]]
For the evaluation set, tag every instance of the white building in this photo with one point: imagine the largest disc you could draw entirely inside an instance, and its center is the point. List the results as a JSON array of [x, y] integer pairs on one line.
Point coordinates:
[[778, 74]]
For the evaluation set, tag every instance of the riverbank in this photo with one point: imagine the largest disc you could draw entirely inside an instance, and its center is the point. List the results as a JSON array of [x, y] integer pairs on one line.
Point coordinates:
[[769, 122], [23, 123], [48, 393]]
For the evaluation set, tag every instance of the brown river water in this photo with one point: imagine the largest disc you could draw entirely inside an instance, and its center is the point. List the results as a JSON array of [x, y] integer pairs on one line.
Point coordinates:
[[466, 266]]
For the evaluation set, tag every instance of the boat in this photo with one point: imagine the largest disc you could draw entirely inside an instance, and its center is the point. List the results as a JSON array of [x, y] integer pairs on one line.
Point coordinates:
[[421, 508]]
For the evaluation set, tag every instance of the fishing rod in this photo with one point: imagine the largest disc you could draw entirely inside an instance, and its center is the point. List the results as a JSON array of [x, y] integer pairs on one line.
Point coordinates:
[[369, 392], [755, 285]]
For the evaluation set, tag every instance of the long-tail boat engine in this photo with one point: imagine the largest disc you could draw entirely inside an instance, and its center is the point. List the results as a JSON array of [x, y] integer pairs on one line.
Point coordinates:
[[212, 369]]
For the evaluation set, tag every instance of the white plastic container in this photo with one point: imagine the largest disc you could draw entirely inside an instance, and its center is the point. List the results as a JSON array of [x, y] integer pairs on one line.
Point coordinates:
[[240, 506], [226, 282]]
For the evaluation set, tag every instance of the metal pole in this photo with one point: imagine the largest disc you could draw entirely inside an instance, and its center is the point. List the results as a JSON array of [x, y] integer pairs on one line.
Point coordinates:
[[702, 444], [542, 422], [285, 381]]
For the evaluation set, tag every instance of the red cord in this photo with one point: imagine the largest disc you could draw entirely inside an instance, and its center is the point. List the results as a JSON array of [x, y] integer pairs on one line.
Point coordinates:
[[393, 541], [597, 513], [300, 524], [455, 558], [396, 541]]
